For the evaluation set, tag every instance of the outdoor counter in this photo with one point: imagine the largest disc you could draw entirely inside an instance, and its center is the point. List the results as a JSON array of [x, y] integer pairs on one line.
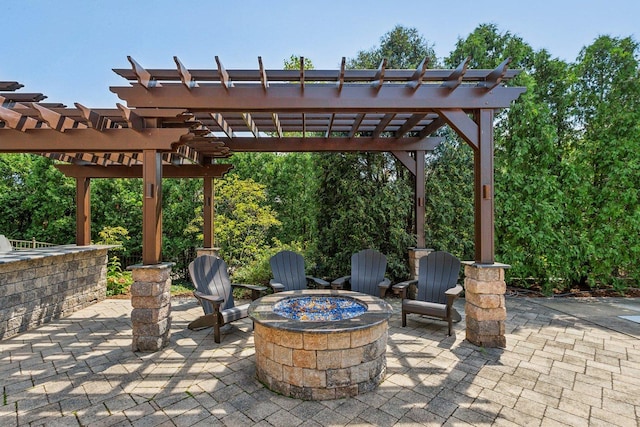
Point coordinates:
[[37, 285]]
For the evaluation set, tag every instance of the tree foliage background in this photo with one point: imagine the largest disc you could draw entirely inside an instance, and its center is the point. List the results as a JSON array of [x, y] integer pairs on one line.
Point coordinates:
[[567, 173]]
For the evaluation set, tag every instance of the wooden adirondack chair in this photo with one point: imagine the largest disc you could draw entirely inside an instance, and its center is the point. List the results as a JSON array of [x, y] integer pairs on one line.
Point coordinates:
[[368, 268], [287, 268], [214, 290], [437, 288]]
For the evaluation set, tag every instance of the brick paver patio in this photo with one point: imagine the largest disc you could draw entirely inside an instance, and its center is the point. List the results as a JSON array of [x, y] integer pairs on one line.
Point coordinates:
[[567, 362]]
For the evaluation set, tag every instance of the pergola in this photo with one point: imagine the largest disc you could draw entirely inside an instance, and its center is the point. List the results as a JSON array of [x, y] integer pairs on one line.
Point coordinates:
[[177, 122]]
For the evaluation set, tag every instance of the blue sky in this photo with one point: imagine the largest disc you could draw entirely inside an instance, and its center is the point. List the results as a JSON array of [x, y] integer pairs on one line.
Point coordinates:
[[67, 48]]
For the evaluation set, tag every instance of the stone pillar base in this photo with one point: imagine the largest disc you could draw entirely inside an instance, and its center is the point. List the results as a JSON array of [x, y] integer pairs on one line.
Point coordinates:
[[484, 289], [151, 301], [414, 260], [208, 251]]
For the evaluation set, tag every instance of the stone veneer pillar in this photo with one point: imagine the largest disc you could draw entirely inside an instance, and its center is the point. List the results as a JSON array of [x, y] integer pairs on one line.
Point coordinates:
[[208, 251], [484, 289], [151, 302], [414, 260]]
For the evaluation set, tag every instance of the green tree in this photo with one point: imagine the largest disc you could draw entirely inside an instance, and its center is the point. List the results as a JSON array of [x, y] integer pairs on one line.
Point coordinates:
[[118, 203], [366, 198], [243, 220], [402, 47], [529, 197], [293, 63], [449, 197], [14, 173], [51, 200], [291, 185], [606, 158]]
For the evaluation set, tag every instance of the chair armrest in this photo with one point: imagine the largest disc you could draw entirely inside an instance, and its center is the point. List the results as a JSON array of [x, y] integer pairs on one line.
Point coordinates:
[[215, 300], [385, 283], [277, 287], [255, 290], [402, 287], [453, 293], [319, 282], [339, 282]]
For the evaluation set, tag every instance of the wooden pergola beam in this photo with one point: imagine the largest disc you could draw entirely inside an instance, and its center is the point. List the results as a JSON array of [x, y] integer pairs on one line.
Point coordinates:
[[88, 140], [319, 144], [382, 124], [410, 124], [168, 171], [279, 75], [316, 98], [56, 120]]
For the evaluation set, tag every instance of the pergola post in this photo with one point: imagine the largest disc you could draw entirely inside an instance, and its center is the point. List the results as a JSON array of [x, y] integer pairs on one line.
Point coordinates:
[[419, 198], [483, 189], [152, 207], [83, 211], [208, 231], [208, 213], [151, 288], [484, 282]]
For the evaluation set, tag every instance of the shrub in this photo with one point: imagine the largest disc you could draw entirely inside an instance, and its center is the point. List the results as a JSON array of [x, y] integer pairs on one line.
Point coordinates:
[[118, 281]]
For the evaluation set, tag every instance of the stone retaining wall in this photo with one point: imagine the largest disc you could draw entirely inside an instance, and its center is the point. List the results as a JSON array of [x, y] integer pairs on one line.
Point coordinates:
[[39, 285]]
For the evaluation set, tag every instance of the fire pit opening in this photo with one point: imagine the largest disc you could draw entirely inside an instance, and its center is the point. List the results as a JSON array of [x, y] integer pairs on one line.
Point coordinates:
[[320, 344], [319, 308]]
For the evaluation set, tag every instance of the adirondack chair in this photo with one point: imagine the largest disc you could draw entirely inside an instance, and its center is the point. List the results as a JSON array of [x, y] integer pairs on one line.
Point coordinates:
[[437, 288], [367, 274], [214, 290], [287, 268]]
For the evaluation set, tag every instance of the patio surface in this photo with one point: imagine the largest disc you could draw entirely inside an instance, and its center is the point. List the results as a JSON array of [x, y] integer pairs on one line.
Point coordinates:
[[567, 362]]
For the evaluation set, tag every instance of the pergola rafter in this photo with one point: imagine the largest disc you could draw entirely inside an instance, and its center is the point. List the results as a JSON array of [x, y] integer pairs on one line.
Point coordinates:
[[183, 118]]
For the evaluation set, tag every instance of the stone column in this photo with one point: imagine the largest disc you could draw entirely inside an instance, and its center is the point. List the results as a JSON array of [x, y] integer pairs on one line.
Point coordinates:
[[151, 301], [484, 289], [208, 251], [414, 260]]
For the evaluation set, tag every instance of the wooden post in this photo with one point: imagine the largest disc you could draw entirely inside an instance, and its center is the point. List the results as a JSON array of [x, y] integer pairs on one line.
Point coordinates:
[[152, 207], [208, 213], [419, 198], [483, 189], [83, 211]]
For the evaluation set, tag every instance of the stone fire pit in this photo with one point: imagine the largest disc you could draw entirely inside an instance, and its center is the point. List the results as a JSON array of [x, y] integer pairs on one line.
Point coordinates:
[[303, 354]]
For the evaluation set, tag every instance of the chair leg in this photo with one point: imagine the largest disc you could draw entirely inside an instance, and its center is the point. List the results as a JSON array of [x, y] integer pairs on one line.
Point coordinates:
[[404, 319], [216, 328], [449, 321]]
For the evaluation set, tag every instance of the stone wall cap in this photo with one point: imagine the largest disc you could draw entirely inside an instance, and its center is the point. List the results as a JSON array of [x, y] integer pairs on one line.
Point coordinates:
[[481, 265], [151, 266], [37, 253]]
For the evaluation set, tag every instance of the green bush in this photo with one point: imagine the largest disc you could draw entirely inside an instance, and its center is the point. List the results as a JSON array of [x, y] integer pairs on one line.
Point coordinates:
[[118, 281], [258, 270]]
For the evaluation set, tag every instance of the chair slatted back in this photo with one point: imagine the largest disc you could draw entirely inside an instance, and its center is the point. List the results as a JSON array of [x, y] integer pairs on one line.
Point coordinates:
[[438, 272], [367, 271], [209, 275], [287, 268]]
